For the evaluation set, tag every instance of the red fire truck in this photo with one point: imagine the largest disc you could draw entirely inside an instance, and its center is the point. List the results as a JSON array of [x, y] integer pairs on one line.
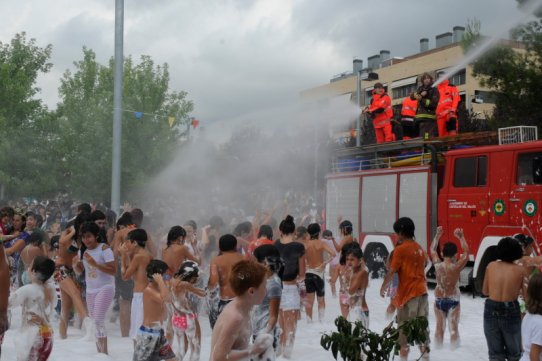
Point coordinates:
[[491, 191]]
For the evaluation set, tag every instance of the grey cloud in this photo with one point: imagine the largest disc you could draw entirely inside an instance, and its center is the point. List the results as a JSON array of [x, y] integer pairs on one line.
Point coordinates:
[[230, 68], [365, 27], [79, 31]]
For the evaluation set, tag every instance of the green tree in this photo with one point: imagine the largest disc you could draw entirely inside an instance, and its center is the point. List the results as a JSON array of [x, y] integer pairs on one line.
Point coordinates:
[[514, 76], [25, 123], [85, 116]]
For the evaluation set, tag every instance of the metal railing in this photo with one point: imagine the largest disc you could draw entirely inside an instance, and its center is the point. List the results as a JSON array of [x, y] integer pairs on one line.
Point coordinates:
[[366, 162], [520, 134]]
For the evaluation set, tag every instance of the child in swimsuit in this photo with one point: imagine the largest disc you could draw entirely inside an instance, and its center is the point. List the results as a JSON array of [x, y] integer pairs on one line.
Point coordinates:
[[184, 319], [447, 272], [357, 286], [345, 274]]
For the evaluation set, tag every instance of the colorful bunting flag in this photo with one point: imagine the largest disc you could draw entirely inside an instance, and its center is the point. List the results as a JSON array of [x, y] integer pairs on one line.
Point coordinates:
[[171, 120]]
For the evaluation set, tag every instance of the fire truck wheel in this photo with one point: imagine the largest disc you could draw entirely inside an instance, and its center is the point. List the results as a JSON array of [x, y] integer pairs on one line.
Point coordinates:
[[375, 256], [489, 256]]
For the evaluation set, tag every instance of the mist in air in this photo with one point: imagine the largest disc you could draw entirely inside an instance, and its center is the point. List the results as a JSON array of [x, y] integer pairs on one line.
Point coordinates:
[[234, 167]]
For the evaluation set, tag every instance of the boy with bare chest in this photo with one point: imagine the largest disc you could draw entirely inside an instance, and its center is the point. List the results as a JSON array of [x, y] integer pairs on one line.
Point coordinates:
[[151, 343], [232, 331], [176, 252], [315, 251], [503, 282], [134, 261], [448, 271], [220, 272]]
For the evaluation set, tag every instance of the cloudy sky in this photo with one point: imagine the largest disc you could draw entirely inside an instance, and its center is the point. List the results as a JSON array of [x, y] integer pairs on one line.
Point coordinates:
[[238, 56]]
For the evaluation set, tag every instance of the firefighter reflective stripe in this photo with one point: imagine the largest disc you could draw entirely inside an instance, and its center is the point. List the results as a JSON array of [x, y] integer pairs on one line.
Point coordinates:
[[449, 98], [381, 102], [409, 107], [380, 123], [425, 116]]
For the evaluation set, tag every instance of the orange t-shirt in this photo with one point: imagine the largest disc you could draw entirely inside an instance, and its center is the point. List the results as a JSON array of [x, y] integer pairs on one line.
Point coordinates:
[[409, 262]]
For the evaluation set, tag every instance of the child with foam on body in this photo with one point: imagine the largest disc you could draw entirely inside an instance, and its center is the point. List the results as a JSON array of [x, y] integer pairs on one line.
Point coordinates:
[[38, 300], [265, 315], [359, 311], [232, 331], [447, 294], [184, 318]]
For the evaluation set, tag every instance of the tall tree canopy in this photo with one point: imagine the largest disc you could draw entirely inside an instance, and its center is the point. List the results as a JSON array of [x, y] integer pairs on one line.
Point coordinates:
[[68, 150], [25, 123], [515, 74], [86, 117]]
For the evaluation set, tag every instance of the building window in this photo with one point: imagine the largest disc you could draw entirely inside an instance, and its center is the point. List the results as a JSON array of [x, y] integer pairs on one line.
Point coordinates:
[[470, 172], [404, 91], [529, 169], [368, 95], [459, 78], [481, 96]]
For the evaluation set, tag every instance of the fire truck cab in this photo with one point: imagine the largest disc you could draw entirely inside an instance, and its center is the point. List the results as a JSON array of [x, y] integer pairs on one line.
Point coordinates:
[[489, 191]]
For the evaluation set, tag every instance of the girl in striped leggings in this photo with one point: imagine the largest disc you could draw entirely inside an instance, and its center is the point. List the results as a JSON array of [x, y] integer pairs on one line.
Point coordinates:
[[100, 268]]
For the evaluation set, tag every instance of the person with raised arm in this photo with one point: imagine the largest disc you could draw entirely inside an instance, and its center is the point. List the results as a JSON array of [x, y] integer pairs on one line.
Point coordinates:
[[151, 343], [70, 291], [134, 261], [447, 272]]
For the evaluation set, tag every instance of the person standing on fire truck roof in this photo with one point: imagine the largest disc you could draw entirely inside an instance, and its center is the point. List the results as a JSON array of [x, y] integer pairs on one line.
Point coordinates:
[[380, 110], [447, 108], [408, 113], [427, 98]]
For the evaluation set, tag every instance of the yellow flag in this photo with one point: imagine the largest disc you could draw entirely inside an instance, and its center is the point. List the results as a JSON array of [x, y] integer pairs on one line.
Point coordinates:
[[171, 120]]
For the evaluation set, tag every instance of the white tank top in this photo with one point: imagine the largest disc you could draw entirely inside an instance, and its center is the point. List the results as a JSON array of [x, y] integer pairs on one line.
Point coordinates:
[[95, 278]]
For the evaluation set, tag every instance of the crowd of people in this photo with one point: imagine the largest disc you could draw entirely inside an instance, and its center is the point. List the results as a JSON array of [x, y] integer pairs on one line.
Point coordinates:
[[252, 283], [428, 112]]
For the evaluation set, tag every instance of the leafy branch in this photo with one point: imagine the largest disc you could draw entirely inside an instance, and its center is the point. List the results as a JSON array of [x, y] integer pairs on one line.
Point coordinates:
[[352, 340]]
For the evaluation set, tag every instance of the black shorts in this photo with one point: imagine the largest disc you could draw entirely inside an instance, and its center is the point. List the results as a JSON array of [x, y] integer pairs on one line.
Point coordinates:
[[410, 128], [313, 283]]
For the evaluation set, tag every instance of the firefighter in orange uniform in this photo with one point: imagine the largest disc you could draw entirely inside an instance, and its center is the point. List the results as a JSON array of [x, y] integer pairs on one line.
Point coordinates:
[[381, 112], [408, 113], [447, 108]]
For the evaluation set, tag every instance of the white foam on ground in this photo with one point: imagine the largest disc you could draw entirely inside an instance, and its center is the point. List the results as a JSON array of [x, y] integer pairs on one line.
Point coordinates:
[[307, 344]]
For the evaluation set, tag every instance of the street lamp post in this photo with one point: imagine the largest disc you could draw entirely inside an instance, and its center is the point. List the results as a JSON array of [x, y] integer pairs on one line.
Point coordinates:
[[358, 101], [117, 106]]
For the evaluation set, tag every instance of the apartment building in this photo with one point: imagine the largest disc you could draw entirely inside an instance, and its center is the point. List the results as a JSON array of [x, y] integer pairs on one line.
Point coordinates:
[[399, 74]]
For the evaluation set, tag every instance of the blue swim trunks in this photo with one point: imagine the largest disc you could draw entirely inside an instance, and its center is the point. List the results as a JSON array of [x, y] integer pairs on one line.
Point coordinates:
[[446, 304]]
